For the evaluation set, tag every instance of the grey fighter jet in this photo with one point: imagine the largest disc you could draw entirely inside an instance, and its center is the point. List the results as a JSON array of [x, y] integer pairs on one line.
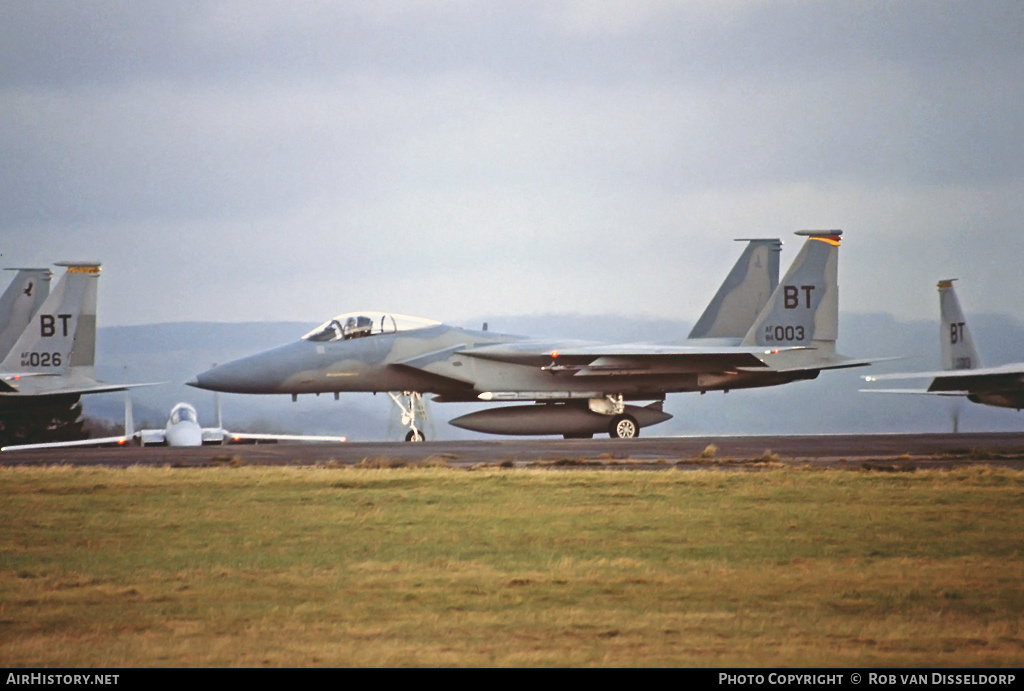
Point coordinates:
[[962, 373], [55, 350], [756, 332]]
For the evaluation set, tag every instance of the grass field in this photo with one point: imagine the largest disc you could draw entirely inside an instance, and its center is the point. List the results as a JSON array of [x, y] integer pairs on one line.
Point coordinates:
[[436, 566]]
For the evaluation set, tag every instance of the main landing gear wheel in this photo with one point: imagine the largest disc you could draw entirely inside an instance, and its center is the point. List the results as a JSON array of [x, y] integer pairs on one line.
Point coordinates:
[[624, 427], [415, 435]]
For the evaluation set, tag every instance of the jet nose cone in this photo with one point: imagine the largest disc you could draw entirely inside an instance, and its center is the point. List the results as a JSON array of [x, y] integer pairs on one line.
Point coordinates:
[[203, 380], [263, 372], [221, 378]]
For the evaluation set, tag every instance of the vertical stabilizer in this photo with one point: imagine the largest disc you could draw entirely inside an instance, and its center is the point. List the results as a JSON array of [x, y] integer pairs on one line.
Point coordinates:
[[61, 336], [955, 341], [20, 302], [804, 309], [744, 293]]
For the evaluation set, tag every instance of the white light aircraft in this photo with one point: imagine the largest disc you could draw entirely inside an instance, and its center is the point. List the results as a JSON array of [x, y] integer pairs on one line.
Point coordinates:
[[182, 429]]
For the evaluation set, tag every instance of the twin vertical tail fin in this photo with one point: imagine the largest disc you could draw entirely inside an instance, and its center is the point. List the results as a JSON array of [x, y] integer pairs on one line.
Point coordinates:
[[744, 293], [804, 309], [61, 335], [955, 341], [20, 302]]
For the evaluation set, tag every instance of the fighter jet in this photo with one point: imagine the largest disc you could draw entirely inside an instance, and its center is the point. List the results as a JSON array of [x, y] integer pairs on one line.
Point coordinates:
[[962, 373], [55, 352], [754, 333], [182, 429], [51, 361]]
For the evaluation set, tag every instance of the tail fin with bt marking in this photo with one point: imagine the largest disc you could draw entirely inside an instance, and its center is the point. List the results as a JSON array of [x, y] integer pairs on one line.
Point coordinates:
[[55, 355], [62, 334], [804, 309], [955, 341]]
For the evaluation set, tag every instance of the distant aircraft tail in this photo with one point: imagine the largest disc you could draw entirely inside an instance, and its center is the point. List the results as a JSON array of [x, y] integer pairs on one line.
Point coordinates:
[[804, 309], [744, 293], [19, 303], [955, 341], [61, 336], [55, 355]]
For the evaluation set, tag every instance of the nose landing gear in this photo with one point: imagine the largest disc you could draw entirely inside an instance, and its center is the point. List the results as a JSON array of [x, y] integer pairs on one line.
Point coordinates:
[[411, 405]]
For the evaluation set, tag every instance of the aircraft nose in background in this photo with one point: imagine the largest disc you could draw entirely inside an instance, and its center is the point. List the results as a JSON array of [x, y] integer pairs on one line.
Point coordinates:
[[227, 377], [204, 380], [264, 372]]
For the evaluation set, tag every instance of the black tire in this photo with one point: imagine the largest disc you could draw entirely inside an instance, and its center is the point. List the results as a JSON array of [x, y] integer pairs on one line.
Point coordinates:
[[415, 436], [624, 427]]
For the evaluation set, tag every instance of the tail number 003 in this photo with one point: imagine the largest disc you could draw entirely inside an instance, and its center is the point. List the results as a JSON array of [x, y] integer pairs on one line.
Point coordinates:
[[783, 334]]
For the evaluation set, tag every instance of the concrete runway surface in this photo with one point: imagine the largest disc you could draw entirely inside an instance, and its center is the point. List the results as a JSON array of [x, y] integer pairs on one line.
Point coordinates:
[[877, 451]]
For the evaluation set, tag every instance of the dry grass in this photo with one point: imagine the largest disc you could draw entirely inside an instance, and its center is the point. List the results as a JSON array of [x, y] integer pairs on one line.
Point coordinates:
[[432, 566]]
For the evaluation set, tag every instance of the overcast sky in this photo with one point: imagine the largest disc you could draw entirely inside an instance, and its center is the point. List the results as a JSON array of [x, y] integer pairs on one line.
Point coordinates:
[[267, 160]]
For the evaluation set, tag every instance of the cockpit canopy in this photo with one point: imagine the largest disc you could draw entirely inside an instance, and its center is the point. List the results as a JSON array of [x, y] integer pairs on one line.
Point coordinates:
[[183, 412], [362, 324]]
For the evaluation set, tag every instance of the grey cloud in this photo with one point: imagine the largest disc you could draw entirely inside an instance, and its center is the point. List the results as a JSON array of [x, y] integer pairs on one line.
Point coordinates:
[[411, 149]]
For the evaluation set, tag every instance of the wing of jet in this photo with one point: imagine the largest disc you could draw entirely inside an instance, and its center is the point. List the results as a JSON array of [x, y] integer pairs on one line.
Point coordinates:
[[182, 429], [757, 331], [962, 373], [251, 438], [94, 442]]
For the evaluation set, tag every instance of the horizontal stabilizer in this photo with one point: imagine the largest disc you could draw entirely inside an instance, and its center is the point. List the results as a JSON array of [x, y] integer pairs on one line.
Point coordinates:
[[836, 363], [919, 392], [1014, 369], [52, 385]]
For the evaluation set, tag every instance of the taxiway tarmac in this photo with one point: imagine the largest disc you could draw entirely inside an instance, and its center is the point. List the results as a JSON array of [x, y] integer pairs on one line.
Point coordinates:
[[886, 451]]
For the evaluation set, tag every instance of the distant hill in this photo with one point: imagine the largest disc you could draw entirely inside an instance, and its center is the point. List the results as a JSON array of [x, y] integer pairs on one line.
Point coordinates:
[[175, 352]]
